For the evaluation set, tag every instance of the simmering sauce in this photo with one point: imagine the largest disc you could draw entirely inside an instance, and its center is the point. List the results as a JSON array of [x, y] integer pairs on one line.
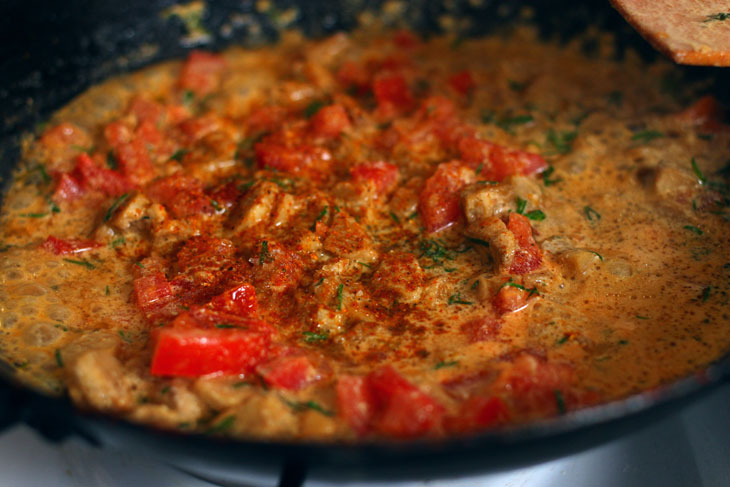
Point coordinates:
[[369, 236]]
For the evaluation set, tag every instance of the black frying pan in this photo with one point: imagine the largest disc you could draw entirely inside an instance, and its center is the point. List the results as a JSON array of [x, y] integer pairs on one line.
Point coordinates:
[[51, 51]]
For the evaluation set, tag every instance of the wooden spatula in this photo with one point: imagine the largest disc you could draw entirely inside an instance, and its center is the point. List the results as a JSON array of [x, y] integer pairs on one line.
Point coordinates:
[[688, 31]]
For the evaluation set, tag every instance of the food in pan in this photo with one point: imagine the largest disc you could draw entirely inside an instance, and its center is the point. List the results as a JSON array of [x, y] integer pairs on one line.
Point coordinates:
[[369, 237]]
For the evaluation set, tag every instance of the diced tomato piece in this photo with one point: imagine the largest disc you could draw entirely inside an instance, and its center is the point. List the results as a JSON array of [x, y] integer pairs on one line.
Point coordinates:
[[354, 402], [146, 110], [510, 299], [383, 175], [289, 372], [117, 133], [194, 353], [462, 82], [479, 412], [225, 195], [403, 410], [705, 113], [438, 203], [510, 162], [92, 176], [285, 152], [153, 293], [392, 94], [240, 300], [528, 256], [201, 72], [206, 317], [265, 119], [330, 121], [182, 195], [67, 189], [355, 76], [199, 127], [405, 38], [71, 246], [481, 329], [134, 161]]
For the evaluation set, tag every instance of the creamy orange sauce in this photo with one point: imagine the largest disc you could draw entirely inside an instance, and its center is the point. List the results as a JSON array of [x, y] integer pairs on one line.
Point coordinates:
[[629, 219]]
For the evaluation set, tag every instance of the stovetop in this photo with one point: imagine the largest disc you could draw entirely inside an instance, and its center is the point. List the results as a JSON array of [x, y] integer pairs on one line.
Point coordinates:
[[690, 448]]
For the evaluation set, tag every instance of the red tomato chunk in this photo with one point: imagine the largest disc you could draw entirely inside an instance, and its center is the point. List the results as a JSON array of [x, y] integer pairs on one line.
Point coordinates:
[[71, 246], [382, 174], [439, 200]]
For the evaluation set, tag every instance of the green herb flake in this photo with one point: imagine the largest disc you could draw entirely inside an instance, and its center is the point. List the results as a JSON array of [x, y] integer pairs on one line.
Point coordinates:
[[695, 168], [706, 137], [59, 359], [563, 339], [124, 336], [478, 241], [319, 282], [511, 283], [364, 264], [53, 205], [559, 401], [521, 205], [597, 254], [706, 293], [299, 406], [264, 255], [644, 136], [340, 288], [111, 160], [82, 263], [693, 229], [508, 123], [178, 155], [516, 85], [139, 264], [223, 426], [718, 17], [623, 342], [563, 141], [117, 242], [313, 108], [546, 177], [319, 218], [117, 203], [216, 206], [536, 215], [107, 291], [225, 326], [591, 214], [33, 215], [394, 217], [457, 299], [640, 317], [165, 390], [479, 169], [442, 364], [188, 97], [312, 337]]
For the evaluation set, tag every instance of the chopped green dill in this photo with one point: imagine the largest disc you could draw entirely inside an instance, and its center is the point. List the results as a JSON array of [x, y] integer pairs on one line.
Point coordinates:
[[474, 285], [537, 215], [577, 120], [321, 215], [264, 255], [394, 217], [597, 254], [61, 327], [707, 137], [117, 203], [645, 136], [216, 206], [107, 291], [435, 250], [188, 97], [178, 155], [720, 16], [640, 317], [319, 282], [695, 168], [478, 241], [313, 108], [33, 215], [508, 123], [82, 263], [457, 299], [165, 390], [546, 177], [487, 116], [516, 85], [623, 342], [511, 283], [591, 214], [521, 205], [616, 98], [312, 337], [224, 425], [111, 160], [53, 205], [225, 326], [479, 169], [693, 229], [563, 339], [240, 384], [340, 288], [299, 406], [559, 401], [139, 264], [41, 169], [563, 141], [117, 242], [706, 293], [364, 264], [59, 359], [450, 269], [125, 337], [442, 364]]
